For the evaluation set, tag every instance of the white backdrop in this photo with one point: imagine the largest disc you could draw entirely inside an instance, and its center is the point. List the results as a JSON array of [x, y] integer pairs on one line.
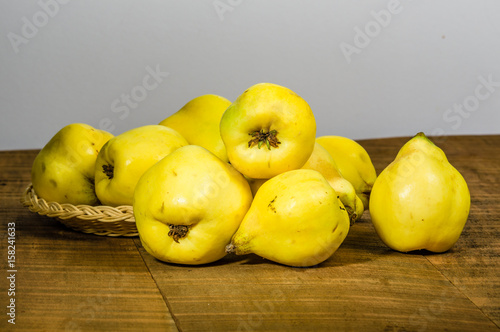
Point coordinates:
[[368, 69]]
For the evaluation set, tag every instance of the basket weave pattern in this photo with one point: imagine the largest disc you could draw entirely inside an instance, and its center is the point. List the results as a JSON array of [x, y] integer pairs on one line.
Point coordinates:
[[99, 220]]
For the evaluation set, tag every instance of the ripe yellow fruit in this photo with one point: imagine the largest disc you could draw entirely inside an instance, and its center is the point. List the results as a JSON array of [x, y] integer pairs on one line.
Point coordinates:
[[268, 130], [353, 162], [188, 206], [295, 219], [420, 201], [125, 157], [198, 122], [63, 171], [324, 163]]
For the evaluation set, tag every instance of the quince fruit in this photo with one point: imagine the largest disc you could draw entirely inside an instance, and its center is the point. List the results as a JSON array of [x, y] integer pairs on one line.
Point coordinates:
[[63, 170], [323, 162], [125, 157], [353, 162], [188, 206], [420, 201], [198, 122], [295, 219], [268, 130]]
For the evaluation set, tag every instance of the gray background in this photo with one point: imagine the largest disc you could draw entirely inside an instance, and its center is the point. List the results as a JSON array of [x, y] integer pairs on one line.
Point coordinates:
[[414, 65]]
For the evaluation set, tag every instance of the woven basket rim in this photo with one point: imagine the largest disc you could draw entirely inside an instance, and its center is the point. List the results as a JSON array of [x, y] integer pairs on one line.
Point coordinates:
[[99, 219]]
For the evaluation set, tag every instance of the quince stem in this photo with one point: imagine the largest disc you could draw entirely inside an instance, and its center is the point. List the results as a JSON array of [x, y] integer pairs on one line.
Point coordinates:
[[178, 231], [108, 170], [422, 135], [230, 248], [352, 215], [260, 137]]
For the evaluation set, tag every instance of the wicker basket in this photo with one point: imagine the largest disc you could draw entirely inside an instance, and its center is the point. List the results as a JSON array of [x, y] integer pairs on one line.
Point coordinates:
[[99, 220]]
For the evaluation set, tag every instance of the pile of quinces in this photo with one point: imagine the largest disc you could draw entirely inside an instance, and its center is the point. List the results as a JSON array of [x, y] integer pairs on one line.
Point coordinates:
[[250, 176]]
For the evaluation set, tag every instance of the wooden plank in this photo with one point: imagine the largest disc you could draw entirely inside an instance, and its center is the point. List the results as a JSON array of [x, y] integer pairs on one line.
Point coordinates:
[[473, 264], [364, 286], [71, 281]]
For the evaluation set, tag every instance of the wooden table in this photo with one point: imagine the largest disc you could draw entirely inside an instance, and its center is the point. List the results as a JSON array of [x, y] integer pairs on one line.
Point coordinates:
[[71, 281]]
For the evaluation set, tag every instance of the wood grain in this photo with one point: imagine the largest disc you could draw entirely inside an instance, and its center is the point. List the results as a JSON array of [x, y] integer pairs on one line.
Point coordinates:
[[72, 281], [473, 264], [364, 286]]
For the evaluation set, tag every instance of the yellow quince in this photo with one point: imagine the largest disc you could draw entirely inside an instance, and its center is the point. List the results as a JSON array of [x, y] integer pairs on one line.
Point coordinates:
[[125, 157], [198, 122], [353, 162], [420, 201], [295, 219], [188, 206], [323, 162], [63, 170], [268, 130]]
